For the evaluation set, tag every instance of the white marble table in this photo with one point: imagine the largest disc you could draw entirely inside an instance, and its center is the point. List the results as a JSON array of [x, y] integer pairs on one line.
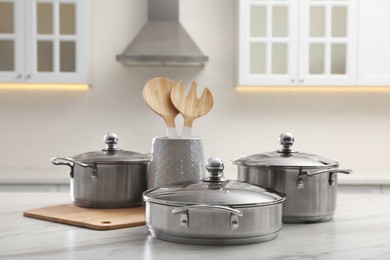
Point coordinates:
[[360, 230]]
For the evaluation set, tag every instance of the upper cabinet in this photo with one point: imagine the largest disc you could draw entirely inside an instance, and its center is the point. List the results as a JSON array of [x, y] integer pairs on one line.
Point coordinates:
[[327, 42], [42, 41], [374, 42], [314, 42], [268, 42]]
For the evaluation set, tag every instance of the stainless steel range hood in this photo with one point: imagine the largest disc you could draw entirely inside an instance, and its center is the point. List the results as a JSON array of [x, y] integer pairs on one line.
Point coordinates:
[[163, 40]]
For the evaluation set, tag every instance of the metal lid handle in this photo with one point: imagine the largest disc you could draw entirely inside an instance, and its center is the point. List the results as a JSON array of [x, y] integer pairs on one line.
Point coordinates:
[[286, 140], [215, 168], [111, 141]]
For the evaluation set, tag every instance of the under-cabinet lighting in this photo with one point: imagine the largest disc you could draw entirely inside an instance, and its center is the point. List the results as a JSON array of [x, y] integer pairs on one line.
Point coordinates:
[[312, 89], [61, 87]]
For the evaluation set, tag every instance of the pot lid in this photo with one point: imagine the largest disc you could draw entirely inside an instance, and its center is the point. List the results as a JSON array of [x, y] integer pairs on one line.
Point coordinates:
[[286, 157], [111, 153], [214, 190]]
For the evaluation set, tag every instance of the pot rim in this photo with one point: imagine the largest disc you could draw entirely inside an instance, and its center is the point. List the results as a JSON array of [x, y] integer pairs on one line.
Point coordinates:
[[178, 204], [298, 167], [232, 205], [146, 161]]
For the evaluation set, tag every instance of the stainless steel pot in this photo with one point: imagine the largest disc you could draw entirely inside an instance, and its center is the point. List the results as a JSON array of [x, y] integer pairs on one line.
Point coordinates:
[[309, 181], [214, 212], [110, 178]]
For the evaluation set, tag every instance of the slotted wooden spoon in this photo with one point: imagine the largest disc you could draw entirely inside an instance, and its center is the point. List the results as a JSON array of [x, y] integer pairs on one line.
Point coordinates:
[[190, 106], [157, 94]]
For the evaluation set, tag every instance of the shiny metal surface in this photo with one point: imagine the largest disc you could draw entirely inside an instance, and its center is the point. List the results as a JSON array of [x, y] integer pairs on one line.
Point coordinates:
[[309, 181], [286, 157], [110, 154], [206, 206], [214, 212], [207, 226], [111, 141], [214, 190], [227, 193], [163, 40], [313, 201], [214, 242], [110, 178], [117, 186]]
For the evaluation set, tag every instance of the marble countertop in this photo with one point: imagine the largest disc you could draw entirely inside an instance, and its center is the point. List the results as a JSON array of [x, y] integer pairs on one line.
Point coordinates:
[[360, 230]]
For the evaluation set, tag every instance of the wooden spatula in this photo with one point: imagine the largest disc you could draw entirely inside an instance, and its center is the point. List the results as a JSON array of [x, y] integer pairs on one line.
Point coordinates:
[[157, 94], [190, 106]]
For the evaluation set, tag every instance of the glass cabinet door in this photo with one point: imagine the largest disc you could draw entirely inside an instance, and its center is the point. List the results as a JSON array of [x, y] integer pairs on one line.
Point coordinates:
[[11, 40], [42, 41], [55, 41], [268, 42], [328, 42]]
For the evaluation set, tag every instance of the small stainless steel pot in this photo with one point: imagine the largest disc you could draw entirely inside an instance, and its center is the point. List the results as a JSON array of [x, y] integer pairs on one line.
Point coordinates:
[[214, 212], [309, 181], [110, 178]]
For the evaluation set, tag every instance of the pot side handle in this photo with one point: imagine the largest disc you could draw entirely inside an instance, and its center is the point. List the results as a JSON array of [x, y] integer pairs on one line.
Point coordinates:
[[184, 218], [332, 180], [70, 162], [345, 171], [206, 206], [64, 161]]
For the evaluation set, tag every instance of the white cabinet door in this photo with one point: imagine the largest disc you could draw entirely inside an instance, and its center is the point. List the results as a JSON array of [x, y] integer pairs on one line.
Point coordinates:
[[267, 42], [11, 41], [43, 41], [289, 42], [374, 42], [55, 41], [328, 42]]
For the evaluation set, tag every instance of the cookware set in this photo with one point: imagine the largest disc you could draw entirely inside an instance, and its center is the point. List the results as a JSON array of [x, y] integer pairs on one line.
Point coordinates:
[[184, 205]]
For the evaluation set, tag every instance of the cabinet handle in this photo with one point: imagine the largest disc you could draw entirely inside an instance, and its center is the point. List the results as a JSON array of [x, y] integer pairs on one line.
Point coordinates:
[[301, 80], [28, 76], [19, 76], [292, 80]]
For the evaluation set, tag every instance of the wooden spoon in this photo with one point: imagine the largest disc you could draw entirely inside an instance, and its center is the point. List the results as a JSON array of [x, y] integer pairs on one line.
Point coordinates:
[[190, 106], [157, 94]]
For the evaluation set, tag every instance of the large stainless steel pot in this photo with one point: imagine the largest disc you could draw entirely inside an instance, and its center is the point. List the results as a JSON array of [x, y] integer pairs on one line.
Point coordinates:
[[110, 178], [214, 212], [309, 181]]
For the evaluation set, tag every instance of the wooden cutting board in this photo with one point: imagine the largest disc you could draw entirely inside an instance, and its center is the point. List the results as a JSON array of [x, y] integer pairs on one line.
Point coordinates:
[[98, 219]]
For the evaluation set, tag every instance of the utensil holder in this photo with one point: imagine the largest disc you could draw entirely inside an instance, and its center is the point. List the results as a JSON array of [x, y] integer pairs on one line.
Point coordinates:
[[176, 161]]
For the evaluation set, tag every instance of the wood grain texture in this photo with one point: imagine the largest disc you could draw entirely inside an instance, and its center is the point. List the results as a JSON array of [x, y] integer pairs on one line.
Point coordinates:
[[189, 105], [157, 94], [98, 219]]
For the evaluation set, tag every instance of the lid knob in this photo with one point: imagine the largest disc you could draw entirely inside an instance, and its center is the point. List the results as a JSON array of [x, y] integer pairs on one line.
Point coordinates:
[[286, 140], [215, 168], [111, 141]]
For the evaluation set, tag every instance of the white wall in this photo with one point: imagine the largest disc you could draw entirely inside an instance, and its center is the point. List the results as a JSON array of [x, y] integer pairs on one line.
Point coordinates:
[[351, 128]]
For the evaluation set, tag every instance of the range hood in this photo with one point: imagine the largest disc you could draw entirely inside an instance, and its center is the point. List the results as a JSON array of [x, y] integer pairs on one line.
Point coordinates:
[[163, 40]]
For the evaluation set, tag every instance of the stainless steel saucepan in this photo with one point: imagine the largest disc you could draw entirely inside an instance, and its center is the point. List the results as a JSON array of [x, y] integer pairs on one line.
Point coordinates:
[[214, 212], [309, 181], [110, 178]]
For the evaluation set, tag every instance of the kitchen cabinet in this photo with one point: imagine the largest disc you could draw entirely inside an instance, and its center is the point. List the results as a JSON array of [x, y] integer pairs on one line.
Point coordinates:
[[307, 42], [42, 41], [374, 42]]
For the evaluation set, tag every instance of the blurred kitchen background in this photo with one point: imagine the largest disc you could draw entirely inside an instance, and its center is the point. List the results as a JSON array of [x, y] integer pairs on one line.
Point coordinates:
[[326, 80]]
